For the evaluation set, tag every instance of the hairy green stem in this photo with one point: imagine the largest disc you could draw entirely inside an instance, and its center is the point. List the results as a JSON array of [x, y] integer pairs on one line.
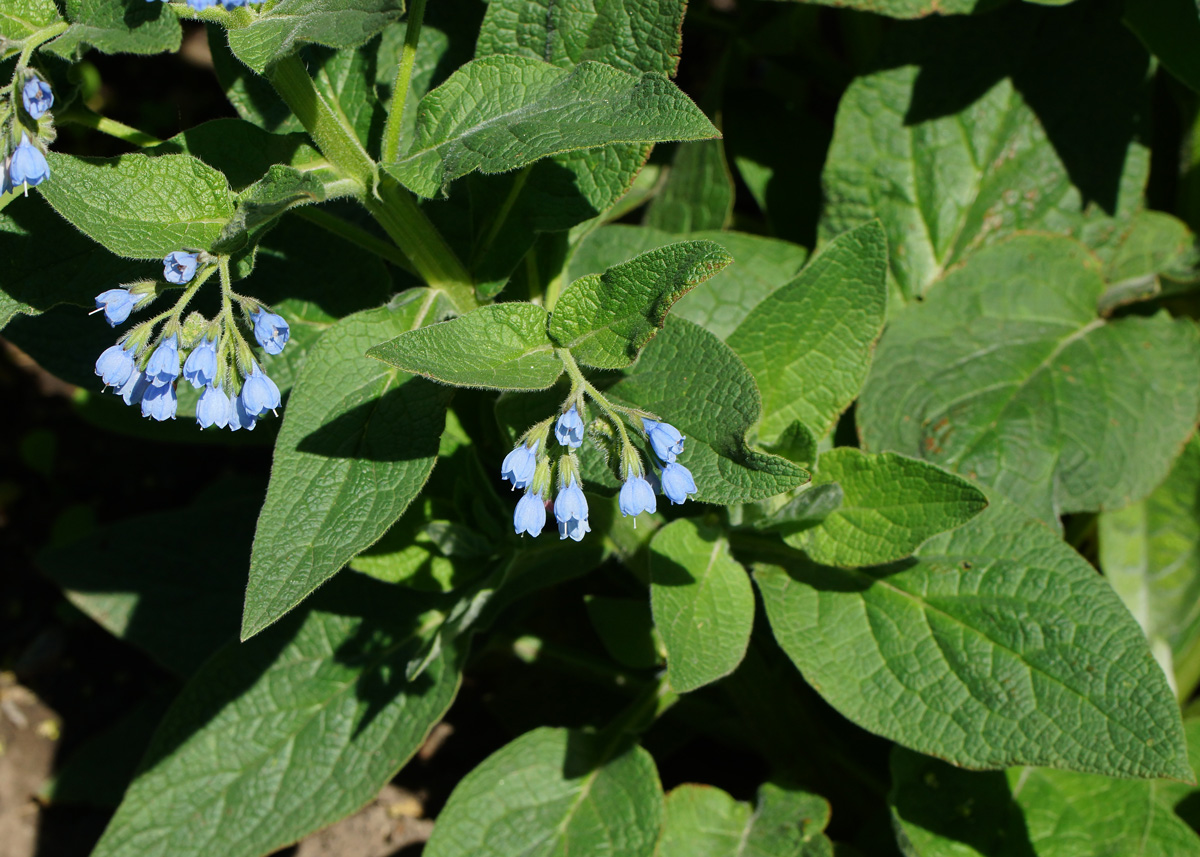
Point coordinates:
[[111, 127], [38, 38], [412, 36]]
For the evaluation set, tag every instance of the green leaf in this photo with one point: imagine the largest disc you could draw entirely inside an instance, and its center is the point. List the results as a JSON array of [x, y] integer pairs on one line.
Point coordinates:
[[1157, 256], [242, 151], [912, 8], [139, 206], [761, 265], [129, 27], [533, 110], [1170, 29], [703, 820], [626, 34], [698, 192], [48, 263], [606, 319], [553, 791], [1006, 375], [261, 205], [998, 645], [809, 344], [498, 347], [954, 166], [181, 617], [941, 811], [694, 381], [702, 602], [1150, 553], [357, 443], [269, 36], [278, 737], [889, 505], [19, 18]]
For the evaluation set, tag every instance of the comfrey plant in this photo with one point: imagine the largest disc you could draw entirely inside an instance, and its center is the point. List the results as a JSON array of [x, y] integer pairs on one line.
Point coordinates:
[[913, 331], [145, 364]]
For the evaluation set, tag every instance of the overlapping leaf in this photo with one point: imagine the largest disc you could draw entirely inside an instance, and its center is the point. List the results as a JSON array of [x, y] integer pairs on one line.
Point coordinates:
[[809, 343], [554, 791], [698, 193], [498, 347], [706, 820], [997, 646], [500, 113], [702, 602], [117, 28], [606, 319], [19, 18], [1007, 375], [694, 380], [140, 206], [358, 441], [283, 735]]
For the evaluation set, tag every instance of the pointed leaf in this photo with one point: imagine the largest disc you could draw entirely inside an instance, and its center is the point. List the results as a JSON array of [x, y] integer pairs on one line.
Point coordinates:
[[357, 443], [606, 319], [553, 792], [498, 347], [698, 193], [997, 646], [500, 113], [702, 602]]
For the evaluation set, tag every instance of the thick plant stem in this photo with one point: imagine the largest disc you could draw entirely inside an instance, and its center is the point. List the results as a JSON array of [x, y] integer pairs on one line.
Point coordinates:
[[401, 217], [35, 40], [111, 127], [412, 35]]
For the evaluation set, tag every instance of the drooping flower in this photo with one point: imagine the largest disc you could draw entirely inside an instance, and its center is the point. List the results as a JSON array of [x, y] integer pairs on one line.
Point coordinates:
[[530, 515], [179, 267], [677, 482], [117, 305], [200, 368], [28, 165], [115, 365], [665, 439], [636, 497], [213, 409], [571, 512], [518, 465], [569, 429], [134, 388], [163, 368], [37, 97], [239, 417], [271, 331], [159, 402], [259, 393]]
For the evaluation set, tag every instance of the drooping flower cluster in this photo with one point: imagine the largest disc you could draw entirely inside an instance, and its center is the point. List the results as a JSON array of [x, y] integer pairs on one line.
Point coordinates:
[[24, 159], [201, 5], [144, 367], [529, 467]]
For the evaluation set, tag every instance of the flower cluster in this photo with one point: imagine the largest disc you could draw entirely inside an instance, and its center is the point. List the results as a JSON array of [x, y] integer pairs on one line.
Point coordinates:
[[144, 368], [529, 467], [201, 5], [24, 161]]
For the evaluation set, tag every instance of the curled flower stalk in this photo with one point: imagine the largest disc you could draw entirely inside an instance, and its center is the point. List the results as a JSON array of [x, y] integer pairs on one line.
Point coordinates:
[[213, 355]]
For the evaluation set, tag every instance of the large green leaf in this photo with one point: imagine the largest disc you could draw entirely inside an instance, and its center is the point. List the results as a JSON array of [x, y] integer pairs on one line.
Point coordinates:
[[1007, 375], [113, 27], [278, 737], [698, 193], [269, 36], [998, 645], [889, 505], [141, 206], [499, 113], [702, 602], [498, 347], [19, 18], [992, 147], [553, 792], [607, 319], [942, 811], [760, 266], [703, 821], [695, 382], [357, 443], [809, 343], [1150, 553]]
